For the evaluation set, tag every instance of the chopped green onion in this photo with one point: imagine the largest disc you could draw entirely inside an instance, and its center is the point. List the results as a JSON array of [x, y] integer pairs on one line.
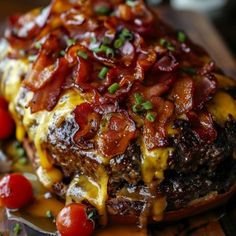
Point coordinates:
[[17, 229], [170, 47], [91, 214], [20, 152], [150, 117], [167, 44], [22, 161], [138, 98], [136, 108], [118, 43], [62, 53], [70, 42], [38, 45], [102, 10], [103, 48], [106, 40], [113, 88], [96, 50], [49, 214], [162, 41], [126, 34], [93, 40], [32, 58], [1, 234], [189, 70], [109, 51], [147, 105], [103, 73], [182, 36], [82, 54]]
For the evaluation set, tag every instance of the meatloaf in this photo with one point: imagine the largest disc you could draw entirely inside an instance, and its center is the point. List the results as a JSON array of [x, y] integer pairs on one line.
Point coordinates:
[[118, 110]]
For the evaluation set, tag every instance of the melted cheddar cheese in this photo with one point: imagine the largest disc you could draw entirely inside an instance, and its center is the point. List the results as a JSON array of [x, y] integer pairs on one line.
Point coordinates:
[[94, 191], [221, 106], [154, 163]]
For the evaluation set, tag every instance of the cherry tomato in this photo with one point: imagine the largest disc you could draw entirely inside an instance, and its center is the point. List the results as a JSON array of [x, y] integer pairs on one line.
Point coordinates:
[[15, 191], [3, 103], [6, 124], [73, 220]]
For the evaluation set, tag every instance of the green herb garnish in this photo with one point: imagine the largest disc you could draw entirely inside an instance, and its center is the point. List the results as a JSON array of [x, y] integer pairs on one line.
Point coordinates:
[[93, 40], [82, 54], [102, 10], [38, 45], [150, 117], [49, 214], [162, 41], [119, 43], [126, 34], [167, 44], [17, 229], [106, 40], [113, 88], [70, 42], [107, 50], [136, 108], [138, 98], [103, 73], [32, 58], [182, 36], [147, 105], [22, 161], [123, 36], [170, 47], [62, 53]]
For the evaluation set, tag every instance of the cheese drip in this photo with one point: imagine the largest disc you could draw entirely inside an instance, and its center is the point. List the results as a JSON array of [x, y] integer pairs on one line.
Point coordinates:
[[221, 106], [93, 190], [154, 163], [37, 126]]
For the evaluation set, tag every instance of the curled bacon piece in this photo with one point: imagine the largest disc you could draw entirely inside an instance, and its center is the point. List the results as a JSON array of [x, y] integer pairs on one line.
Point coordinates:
[[163, 83], [155, 132], [82, 72], [46, 97], [203, 125], [27, 26], [115, 135], [88, 122], [167, 63], [182, 95], [45, 66], [205, 88]]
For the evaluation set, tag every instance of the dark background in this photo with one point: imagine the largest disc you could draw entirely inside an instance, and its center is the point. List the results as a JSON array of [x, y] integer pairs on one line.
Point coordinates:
[[224, 19]]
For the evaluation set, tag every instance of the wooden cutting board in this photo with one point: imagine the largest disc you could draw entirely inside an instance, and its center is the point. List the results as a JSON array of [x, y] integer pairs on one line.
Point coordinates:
[[218, 222]]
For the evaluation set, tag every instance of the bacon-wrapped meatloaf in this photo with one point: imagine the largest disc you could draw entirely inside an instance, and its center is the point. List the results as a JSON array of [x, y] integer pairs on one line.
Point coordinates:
[[118, 110]]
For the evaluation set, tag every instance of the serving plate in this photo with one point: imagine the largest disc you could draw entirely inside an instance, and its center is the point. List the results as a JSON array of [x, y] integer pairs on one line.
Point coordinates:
[[219, 222]]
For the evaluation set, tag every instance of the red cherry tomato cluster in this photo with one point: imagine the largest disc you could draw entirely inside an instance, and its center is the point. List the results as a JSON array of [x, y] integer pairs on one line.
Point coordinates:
[[15, 191], [6, 121], [73, 220]]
